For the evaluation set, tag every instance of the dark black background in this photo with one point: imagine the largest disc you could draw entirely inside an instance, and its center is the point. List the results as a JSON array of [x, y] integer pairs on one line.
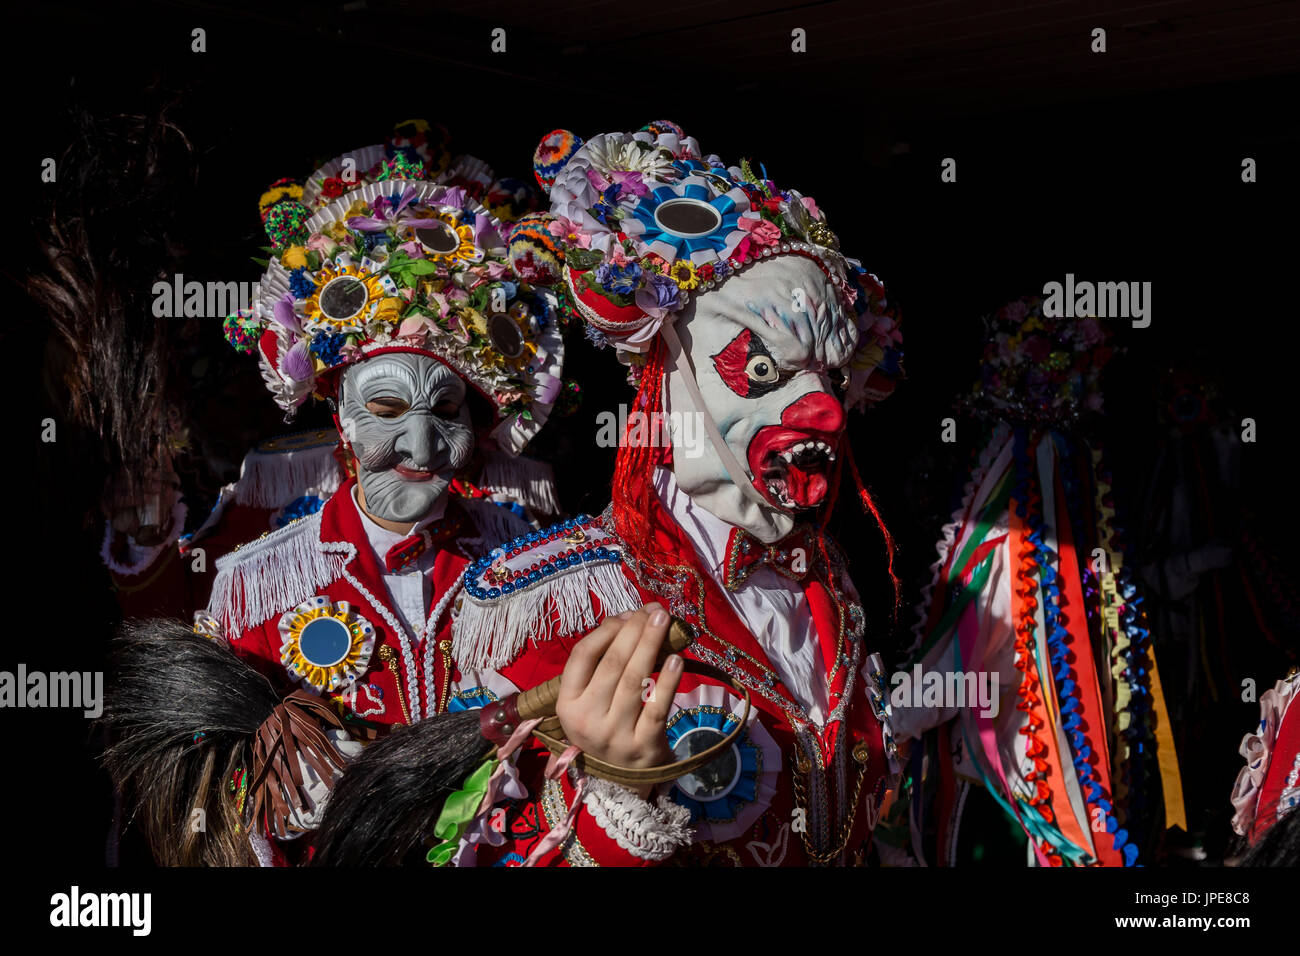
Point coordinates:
[[1123, 166]]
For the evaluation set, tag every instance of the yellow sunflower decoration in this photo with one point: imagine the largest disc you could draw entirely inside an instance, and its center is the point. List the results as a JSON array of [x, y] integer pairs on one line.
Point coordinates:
[[444, 240], [344, 298], [513, 339], [325, 646]]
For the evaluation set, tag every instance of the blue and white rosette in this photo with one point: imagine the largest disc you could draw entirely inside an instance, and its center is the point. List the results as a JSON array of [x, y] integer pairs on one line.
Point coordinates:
[[728, 795], [648, 234]]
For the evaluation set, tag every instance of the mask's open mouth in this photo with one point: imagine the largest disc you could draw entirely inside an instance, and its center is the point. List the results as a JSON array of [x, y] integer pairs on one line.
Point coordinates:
[[413, 474], [792, 468]]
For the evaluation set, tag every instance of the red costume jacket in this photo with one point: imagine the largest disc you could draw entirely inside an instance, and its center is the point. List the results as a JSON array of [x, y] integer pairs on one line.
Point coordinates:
[[790, 793]]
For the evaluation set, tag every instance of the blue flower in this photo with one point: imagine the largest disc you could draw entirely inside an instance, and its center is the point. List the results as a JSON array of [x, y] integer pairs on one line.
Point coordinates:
[[620, 280], [300, 283], [326, 345], [666, 292], [607, 206], [595, 336]]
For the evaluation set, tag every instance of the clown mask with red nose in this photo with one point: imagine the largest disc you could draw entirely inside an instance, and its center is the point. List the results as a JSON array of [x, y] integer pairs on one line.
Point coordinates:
[[760, 347]]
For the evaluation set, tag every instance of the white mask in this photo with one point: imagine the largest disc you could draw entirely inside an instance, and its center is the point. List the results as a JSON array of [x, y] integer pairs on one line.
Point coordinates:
[[761, 345], [407, 420]]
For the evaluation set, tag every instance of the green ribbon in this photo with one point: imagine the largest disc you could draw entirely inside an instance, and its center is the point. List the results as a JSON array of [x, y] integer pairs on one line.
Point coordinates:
[[459, 811], [983, 522]]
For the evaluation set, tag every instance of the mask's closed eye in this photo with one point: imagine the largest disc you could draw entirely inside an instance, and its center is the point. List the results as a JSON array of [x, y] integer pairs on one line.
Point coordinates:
[[747, 366], [387, 406]]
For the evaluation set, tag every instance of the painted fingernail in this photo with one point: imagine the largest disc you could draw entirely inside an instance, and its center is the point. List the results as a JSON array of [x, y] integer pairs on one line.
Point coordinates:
[[673, 664], [659, 618]]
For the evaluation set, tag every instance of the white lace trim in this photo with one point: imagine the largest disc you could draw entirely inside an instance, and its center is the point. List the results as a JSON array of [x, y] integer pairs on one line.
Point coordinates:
[[647, 831]]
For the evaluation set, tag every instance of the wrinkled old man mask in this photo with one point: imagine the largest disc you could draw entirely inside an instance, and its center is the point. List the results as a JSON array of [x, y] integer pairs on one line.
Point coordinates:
[[408, 422]]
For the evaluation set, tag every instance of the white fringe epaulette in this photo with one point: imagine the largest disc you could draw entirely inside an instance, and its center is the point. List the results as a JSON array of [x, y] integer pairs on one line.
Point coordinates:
[[272, 574], [539, 586], [525, 480], [280, 469]]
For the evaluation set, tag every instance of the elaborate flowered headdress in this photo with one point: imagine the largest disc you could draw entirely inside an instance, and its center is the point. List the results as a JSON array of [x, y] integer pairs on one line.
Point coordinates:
[[386, 249], [641, 222], [1039, 370]]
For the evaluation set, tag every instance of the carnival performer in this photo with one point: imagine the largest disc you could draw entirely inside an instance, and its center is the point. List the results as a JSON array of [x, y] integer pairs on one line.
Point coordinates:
[[731, 302], [1032, 595], [389, 295]]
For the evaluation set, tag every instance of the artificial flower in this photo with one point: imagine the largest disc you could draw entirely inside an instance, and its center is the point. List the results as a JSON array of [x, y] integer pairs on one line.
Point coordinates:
[[659, 296], [300, 283], [390, 310], [569, 232], [295, 257], [683, 272], [761, 231], [333, 187], [620, 280]]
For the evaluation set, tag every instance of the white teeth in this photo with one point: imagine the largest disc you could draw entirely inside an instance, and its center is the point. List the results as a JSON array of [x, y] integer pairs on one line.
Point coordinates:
[[799, 447], [830, 455], [788, 456]]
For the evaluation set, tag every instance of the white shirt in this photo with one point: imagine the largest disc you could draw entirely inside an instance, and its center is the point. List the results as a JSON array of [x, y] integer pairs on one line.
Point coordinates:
[[772, 606], [409, 592]]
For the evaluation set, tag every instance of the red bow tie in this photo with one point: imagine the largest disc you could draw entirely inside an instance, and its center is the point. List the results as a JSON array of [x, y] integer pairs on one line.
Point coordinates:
[[409, 549], [792, 556]]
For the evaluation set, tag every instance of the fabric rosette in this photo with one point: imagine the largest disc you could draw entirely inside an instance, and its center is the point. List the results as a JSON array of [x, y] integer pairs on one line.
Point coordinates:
[[727, 795]]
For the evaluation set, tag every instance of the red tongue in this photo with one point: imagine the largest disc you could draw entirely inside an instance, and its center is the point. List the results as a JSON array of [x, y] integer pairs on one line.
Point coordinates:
[[806, 490]]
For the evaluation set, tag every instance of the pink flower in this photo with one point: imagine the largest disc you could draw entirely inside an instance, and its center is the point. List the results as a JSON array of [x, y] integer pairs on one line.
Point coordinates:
[[414, 329], [811, 205], [569, 232], [631, 181], [617, 256], [761, 231], [439, 300], [320, 243]]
